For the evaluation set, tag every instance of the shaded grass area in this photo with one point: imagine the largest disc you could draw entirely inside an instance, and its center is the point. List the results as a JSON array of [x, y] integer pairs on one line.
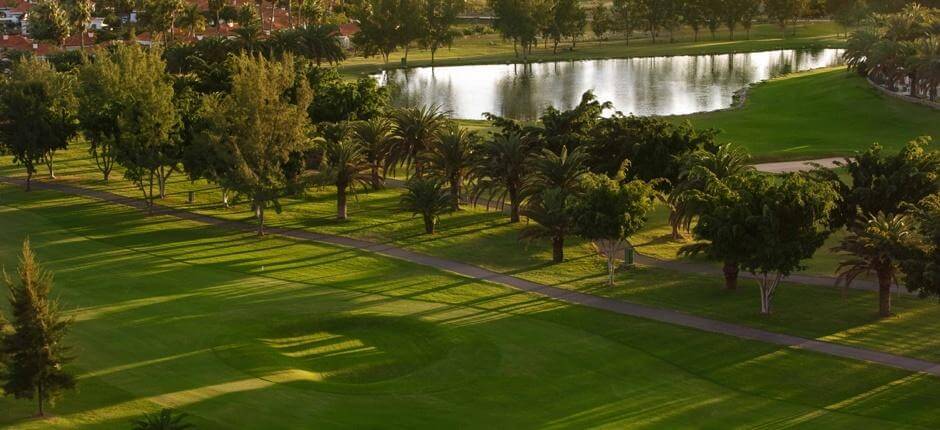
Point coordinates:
[[271, 333], [487, 239], [490, 49], [817, 114]]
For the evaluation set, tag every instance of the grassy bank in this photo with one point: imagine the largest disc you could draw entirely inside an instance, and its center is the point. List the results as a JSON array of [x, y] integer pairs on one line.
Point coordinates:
[[817, 114], [247, 333], [491, 49]]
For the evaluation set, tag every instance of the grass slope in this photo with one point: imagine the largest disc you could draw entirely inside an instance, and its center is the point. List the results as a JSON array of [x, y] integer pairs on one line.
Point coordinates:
[[248, 333], [819, 114]]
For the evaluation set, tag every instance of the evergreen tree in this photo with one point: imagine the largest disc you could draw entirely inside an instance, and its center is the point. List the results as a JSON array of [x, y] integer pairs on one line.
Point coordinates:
[[35, 348]]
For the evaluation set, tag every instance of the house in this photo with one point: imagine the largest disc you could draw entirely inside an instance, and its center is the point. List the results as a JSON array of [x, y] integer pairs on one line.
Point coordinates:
[[15, 42]]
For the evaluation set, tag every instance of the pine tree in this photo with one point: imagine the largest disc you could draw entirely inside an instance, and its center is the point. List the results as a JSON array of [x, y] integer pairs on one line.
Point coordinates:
[[34, 350]]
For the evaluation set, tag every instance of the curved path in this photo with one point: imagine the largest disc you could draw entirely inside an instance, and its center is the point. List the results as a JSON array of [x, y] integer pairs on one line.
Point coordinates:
[[474, 272]]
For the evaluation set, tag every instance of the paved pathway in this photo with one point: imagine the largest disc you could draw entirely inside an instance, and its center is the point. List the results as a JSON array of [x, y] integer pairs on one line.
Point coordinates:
[[470, 271], [797, 166]]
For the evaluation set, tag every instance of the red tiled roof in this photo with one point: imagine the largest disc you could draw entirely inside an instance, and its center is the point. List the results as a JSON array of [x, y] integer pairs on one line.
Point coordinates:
[[349, 29], [76, 39], [20, 43], [23, 6]]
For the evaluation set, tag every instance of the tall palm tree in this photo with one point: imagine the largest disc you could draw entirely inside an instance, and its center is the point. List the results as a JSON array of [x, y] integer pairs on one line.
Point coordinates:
[[426, 197], [344, 166], [552, 220], [502, 171], [877, 248], [698, 168], [163, 420], [451, 159], [563, 170], [376, 139], [416, 130], [283, 41], [320, 43], [925, 64]]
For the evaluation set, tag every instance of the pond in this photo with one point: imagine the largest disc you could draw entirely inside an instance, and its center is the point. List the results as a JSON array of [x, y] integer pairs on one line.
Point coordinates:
[[642, 86]]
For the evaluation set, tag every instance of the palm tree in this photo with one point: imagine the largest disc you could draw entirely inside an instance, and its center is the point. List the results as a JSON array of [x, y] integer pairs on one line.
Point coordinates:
[[283, 41], [501, 171], [248, 37], [344, 166], [191, 18], [698, 168], [320, 42], [877, 247], [163, 420], [563, 170], [552, 220], [376, 139], [426, 197], [451, 159], [925, 64], [416, 130]]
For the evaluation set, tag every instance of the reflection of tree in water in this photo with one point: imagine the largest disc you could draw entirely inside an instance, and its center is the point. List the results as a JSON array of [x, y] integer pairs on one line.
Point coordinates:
[[644, 86]]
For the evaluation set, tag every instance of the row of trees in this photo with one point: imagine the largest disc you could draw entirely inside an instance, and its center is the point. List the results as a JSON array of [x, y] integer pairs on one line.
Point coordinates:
[[386, 25], [900, 50]]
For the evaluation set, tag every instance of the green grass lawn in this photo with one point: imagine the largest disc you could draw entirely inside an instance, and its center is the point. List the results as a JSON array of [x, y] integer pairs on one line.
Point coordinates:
[[490, 49], [819, 114], [247, 333], [485, 238]]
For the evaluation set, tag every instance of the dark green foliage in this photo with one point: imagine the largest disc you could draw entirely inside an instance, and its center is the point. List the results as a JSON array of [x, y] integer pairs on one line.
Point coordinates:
[[653, 147], [571, 128], [35, 349], [344, 166], [49, 21], [879, 182], [416, 130], [335, 99], [166, 419], [502, 171], [37, 114], [375, 138], [922, 267], [451, 159], [550, 211], [428, 198]]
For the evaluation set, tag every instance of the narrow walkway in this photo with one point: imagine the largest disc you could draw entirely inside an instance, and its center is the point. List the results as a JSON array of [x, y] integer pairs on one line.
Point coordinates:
[[474, 272], [797, 166]]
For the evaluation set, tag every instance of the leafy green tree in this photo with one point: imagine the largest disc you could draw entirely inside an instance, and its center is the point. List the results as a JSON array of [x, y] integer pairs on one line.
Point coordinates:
[[259, 130], [38, 111], [49, 21], [451, 159], [379, 23], [35, 349], [883, 183], [502, 171], [553, 220], [714, 11], [628, 16], [416, 130], [520, 22], [653, 147], [411, 25], [375, 138], [140, 117], [336, 99], [784, 12], [568, 128], [601, 21], [80, 12], [878, 247], [694, 15], [344, 166], [312, 12], [769, 225], [166, 419], [439, 19], [609, 211], [563, 170], [159, 16], [921, 268], [428, 198], [699, 169]]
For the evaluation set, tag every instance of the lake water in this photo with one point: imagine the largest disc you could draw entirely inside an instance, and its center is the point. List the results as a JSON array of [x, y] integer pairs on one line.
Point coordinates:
[[642, 86]]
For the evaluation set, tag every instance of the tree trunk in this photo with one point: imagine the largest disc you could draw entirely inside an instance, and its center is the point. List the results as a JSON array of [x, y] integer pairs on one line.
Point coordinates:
[[611, 260], [40, 399], [455, 192], [428, 224], [730, 271], [884, 293], [558, 249], [341, 202], [150, 196], [376, 178], [768, 287], [29, 180], [513, 205], [50, 163], [260, 209]]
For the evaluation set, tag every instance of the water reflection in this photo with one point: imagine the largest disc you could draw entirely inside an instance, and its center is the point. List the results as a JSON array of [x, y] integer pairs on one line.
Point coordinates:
[[643, 86]]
